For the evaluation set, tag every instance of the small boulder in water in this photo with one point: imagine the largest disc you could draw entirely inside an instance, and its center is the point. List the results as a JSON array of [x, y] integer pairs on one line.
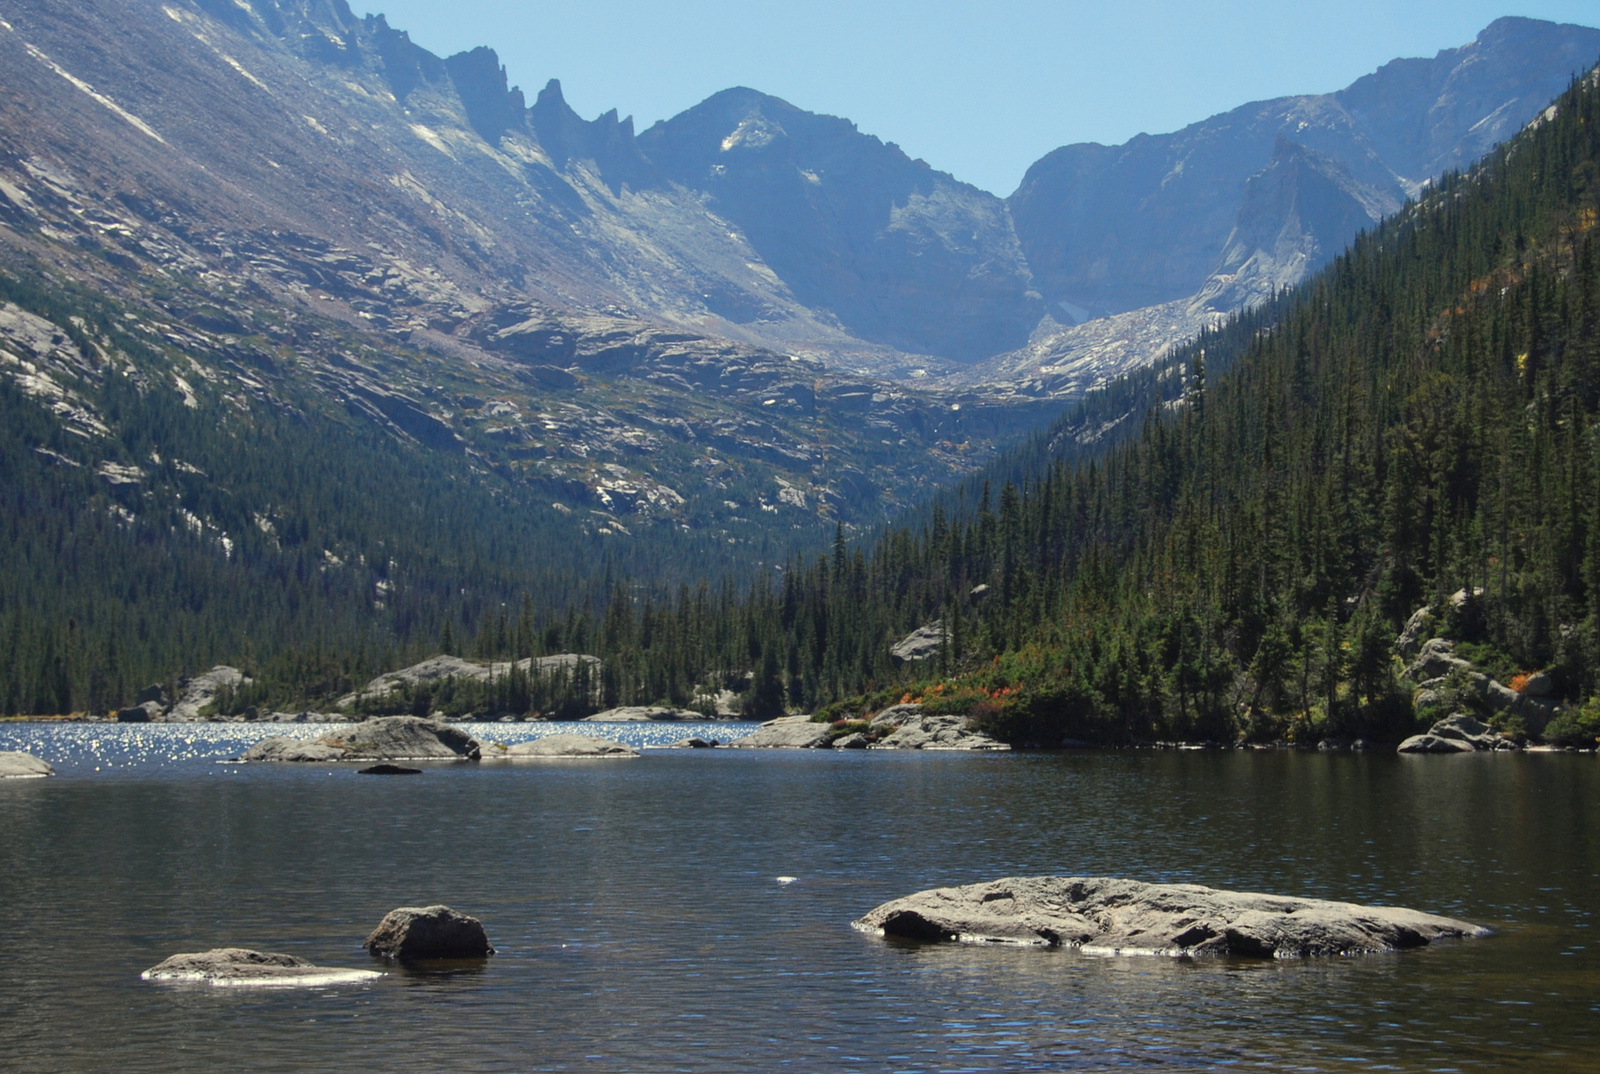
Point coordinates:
[[424, 933]]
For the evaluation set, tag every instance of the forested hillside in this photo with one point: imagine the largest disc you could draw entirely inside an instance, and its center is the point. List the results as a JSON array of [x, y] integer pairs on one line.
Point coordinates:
[[1420, 421]]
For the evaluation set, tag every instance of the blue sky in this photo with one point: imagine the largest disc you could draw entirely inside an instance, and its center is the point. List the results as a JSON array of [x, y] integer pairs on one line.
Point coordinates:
[[980, 90]]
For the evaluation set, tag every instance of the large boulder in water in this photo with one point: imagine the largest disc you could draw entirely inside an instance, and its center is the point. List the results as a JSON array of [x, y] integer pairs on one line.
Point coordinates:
[[786, 732], [423, 933], [15, 764], [240, 966], [1110, 915], [390, 738], [558, 746]]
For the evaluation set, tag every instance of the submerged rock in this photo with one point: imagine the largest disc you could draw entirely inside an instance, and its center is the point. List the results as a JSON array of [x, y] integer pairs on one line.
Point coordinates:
[[15, 764], [569, 746], [421, 933], [786, 732], [1115, 916], [389, 770], [391, 738], [691, 744], [240, 966]]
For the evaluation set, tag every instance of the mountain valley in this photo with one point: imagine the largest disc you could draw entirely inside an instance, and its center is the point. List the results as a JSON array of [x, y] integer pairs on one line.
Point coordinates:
[[260, 254]]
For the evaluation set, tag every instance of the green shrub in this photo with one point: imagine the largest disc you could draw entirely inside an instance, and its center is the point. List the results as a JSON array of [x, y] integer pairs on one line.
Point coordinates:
[[1576, 727]]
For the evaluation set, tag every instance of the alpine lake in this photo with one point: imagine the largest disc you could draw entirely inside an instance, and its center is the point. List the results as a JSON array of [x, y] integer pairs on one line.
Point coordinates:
[[690, 910]]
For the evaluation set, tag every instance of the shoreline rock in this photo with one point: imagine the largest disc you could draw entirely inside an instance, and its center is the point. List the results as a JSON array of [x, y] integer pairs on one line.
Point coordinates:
[[1114, 916], [915, 730], [427, 933], [1461, 733], [389, 738], [785, 733], [17, 764], [642, 714], [238, 966]]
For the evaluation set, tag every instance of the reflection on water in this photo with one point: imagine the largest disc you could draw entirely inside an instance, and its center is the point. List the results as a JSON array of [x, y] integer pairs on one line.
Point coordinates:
[[641, 923]]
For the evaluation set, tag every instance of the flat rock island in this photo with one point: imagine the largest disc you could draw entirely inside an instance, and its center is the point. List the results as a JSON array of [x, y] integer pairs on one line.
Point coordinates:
[[568, 746], [1113, 916], [239, 967]]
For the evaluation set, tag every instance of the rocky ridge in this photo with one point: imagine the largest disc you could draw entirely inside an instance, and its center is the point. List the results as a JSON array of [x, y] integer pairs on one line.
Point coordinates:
[[407, 261], [1137, 247]]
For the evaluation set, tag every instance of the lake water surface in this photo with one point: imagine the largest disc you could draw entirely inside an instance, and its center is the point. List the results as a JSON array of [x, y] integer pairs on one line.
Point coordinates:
[[641, 925]]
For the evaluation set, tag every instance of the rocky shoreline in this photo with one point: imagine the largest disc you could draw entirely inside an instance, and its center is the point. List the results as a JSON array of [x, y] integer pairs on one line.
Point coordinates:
[[1480, 714]]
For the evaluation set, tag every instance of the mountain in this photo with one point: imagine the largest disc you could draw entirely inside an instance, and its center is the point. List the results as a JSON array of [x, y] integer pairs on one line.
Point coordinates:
[[300, 318], [1108, 229], [899, 253], [1152, 240]]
